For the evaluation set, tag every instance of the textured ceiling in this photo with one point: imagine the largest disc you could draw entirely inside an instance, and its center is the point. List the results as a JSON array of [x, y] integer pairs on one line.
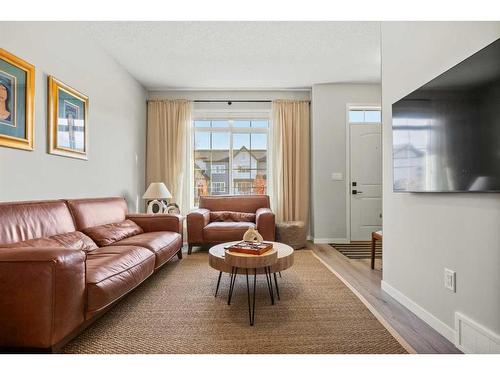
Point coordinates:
[[239, 55]]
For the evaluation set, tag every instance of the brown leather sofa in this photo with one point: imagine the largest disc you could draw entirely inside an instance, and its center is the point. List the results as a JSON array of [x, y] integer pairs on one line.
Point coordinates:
[[65, 262], [224, 218]]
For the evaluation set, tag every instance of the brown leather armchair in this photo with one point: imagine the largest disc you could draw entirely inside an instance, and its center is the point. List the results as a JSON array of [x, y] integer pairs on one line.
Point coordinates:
[[224, 218]]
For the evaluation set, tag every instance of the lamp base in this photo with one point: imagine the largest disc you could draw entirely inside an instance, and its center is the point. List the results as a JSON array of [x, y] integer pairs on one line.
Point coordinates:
[[156, 207]]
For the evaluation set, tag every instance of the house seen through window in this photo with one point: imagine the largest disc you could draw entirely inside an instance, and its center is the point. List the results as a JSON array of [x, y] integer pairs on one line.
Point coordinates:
[[230, 157]]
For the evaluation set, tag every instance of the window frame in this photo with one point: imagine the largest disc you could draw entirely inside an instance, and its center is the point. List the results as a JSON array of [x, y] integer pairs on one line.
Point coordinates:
[[230, 117]]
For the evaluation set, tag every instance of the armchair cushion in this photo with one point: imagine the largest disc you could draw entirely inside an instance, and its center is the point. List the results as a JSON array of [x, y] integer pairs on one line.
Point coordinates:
[[232, 216], [225, 231], [104, 235]]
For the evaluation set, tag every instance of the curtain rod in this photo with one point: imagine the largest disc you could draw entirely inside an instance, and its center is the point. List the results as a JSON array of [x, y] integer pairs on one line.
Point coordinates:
[[239, 101], [232, 101], [229, 102]]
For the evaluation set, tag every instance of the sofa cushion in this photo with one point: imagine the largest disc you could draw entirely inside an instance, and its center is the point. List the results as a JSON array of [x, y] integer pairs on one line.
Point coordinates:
[[163, 244], [73, 240], [92, 212], [225, 231], [113, 271], [104, 235], [232, 216], [22, 221]]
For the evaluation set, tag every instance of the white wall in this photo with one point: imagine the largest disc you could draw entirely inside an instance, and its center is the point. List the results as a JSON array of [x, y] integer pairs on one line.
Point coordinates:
[[328, 155], [423, 233], [117, 119]]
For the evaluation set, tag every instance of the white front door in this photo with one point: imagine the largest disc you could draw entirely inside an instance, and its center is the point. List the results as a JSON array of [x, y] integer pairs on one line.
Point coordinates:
[[366, 180]]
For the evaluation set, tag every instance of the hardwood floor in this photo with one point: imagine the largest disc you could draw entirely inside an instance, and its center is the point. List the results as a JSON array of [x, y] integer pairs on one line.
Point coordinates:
[[419, 335]]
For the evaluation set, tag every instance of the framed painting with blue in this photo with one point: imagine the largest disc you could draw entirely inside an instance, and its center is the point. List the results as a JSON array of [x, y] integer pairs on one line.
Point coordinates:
[[17, 96], [68, 121]]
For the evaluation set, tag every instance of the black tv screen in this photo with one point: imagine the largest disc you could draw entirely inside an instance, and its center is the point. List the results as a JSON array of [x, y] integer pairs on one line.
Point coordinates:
[[446, 134]]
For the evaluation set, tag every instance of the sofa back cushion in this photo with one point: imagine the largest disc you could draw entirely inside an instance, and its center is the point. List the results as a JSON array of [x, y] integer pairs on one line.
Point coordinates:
[[22, 221], [72, 240], [104, 235], [232, 216], [235, 203], [99, 211]]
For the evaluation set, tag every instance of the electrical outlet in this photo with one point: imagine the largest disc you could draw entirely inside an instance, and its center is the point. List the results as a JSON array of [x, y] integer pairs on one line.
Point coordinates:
[[450, 278]]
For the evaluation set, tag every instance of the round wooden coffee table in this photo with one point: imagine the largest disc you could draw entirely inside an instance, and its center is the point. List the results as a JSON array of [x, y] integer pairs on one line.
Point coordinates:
[[274, 261], [216, 258]]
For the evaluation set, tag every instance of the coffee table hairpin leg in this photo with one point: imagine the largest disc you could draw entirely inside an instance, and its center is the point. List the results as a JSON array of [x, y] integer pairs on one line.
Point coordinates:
[[251, 312], [276, 283], [218, 283], [234, 273], [269, 283]]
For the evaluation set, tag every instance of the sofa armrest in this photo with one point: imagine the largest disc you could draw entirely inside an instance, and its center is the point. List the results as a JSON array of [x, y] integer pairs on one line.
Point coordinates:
[[158, 222], [42, 295], [196, 221], [265, 223]]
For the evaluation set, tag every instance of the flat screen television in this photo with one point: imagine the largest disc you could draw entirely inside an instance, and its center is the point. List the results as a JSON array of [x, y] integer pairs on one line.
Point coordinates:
[[446, 134]]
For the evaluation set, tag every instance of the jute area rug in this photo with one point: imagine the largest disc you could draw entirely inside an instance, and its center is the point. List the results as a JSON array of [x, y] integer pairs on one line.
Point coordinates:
[[175, 311]]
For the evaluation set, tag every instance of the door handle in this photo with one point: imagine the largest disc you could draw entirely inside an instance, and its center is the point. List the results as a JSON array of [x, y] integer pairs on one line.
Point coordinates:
[[354, 192]]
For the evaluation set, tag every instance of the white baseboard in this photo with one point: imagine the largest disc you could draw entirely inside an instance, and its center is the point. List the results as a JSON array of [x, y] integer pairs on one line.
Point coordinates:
[[426, 316], [471, 337], [330, 240]]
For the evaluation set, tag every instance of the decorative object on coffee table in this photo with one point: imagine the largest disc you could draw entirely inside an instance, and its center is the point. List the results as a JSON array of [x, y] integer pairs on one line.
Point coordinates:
[[246, 262], [252, 235], [292, 233], [157, 194], [250, 247]]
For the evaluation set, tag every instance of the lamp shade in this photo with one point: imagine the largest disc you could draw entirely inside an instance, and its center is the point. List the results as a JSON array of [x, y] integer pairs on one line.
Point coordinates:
[[157, 190]]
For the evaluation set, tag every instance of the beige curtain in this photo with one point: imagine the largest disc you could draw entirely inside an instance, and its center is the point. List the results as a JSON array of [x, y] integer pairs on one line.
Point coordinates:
[[168, 123], [291, 131]]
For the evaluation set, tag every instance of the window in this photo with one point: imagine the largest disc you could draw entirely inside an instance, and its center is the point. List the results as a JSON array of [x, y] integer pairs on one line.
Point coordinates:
[[218, 187], [218, 169], [230, 156], [365, 116]]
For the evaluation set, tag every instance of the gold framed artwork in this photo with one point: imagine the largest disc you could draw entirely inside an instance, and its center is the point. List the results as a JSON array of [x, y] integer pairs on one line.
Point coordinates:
[[17, 102], [68, 120]]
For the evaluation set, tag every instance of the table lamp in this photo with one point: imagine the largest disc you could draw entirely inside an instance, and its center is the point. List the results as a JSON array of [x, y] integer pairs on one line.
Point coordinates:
[[156, 193]]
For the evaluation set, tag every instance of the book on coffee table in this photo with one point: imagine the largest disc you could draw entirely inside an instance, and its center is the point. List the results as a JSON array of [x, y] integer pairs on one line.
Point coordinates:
[[247, 247]]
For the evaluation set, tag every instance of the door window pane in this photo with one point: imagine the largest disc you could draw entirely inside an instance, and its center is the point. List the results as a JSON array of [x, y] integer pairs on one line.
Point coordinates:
[[356, 116], [372, 116]]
